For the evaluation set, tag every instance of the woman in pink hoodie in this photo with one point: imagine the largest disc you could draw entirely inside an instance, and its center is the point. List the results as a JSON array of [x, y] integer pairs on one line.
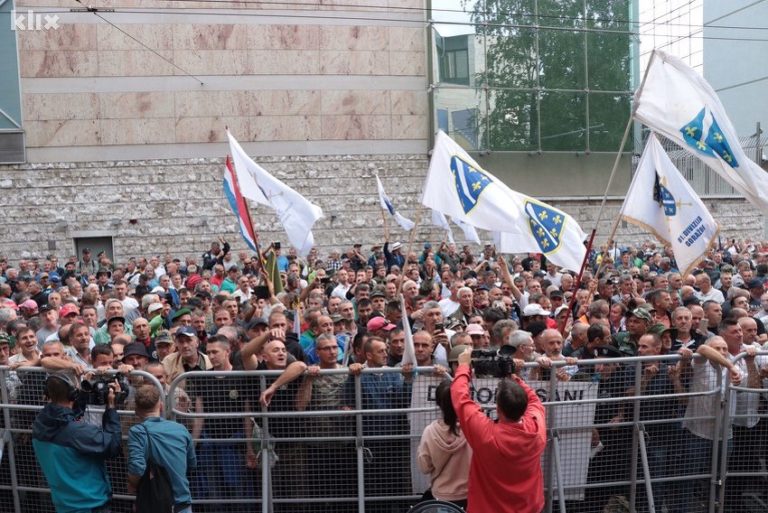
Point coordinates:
[[444, 453]]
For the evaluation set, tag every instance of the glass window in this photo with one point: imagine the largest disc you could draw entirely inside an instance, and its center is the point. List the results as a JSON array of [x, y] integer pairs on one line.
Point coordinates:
[[10, 97], [539, 63], [608, 116], [563, 121], [461, 113], [513, 121], [454, 60]]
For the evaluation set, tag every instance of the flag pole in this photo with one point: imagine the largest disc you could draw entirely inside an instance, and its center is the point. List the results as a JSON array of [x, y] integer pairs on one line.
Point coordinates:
[[247, 210], [408, 251], [576, 285], [638, 93]]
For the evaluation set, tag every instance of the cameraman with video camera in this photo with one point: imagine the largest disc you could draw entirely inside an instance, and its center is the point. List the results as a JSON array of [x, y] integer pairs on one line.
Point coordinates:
[[505, 474], [72, 453]]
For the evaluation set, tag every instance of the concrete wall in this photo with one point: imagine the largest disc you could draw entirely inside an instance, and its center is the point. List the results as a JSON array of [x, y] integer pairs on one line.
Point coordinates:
[[156, 206], [123, 143]]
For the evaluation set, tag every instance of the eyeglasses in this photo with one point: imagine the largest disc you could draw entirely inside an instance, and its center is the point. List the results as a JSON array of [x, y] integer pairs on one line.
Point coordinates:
[[328, 348]]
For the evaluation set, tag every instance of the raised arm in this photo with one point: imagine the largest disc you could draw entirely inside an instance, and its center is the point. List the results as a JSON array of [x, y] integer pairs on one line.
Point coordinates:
[[474, 422], [506, 277], [252, 349]]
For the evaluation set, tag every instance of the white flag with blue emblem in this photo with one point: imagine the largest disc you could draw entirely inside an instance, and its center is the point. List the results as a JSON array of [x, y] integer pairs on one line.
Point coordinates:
[[678, 103], [405, 223], [458, 187], [662, 201]]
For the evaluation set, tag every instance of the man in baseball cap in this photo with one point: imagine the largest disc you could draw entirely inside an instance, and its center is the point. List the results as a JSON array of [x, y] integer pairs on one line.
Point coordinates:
[[532, 313], [5, 347], [135, 355], [638, 322], [68, 313], [163, 344], [380, 327], [28, 308]]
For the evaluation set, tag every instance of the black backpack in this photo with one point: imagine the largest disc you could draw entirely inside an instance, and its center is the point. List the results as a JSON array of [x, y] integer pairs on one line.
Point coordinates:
[[154, 493]]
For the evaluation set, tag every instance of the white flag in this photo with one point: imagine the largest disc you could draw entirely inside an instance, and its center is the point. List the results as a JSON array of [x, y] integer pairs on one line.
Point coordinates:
[[661, 201], [386, 204], [409, 353], [439, 220], [295, 212], [469, 231], [678, 103], [458, 187]]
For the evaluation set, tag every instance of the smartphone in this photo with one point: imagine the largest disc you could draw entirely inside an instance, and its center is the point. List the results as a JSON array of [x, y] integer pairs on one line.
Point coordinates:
[[439, 327], [261, 292], [276, 245]]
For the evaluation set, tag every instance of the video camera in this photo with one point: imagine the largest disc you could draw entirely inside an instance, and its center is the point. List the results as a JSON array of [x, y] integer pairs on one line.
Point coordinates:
[[496, 363], [96, 390]]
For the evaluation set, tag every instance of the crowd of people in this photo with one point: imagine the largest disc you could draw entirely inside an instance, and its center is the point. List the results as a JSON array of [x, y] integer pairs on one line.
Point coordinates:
[[303, 316]]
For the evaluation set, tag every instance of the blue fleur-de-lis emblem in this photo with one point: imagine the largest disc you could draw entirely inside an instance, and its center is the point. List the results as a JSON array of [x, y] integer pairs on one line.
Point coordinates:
[[712, 143], [546, 225], [470, 183]]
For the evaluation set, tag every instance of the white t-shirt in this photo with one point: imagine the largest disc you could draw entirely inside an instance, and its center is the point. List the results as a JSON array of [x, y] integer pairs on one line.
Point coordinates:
[[341, 290], [704, 380], [712, 295]]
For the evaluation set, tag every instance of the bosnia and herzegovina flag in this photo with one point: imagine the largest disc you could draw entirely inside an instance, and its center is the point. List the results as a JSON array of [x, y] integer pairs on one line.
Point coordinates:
[[238, 206], [458, 187], [661, 201], [678, 103], [386, 204]]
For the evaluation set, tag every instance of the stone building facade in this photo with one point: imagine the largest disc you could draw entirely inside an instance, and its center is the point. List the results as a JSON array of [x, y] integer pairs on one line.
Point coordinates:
[[124, 116]]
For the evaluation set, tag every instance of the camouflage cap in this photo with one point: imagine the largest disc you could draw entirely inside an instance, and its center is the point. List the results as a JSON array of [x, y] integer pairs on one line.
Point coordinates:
[[6, 339], [641, 313], [163, 337]]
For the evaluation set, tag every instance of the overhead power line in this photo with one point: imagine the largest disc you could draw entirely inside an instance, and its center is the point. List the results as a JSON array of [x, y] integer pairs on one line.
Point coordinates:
[[96, 12]]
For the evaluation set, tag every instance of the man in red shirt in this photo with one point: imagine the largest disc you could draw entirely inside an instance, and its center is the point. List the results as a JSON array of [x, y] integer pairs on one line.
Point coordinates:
[[505, 473]]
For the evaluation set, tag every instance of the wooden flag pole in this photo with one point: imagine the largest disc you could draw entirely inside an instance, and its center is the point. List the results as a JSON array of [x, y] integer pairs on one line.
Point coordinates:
[[416, 224], [576, 286]]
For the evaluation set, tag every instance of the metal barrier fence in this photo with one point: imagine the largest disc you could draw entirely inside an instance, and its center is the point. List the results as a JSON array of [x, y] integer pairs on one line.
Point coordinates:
[[624, 435], [23, 488], [744, 470]]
